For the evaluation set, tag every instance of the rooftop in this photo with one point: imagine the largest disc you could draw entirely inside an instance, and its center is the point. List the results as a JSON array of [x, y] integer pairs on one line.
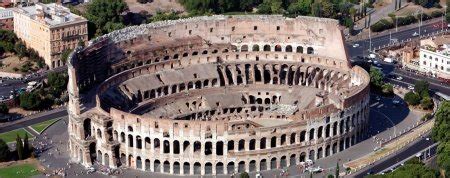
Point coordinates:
[[52, 14]]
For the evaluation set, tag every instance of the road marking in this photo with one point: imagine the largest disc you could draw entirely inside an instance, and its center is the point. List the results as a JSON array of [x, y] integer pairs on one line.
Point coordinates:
[[431, 83], [393, 125]]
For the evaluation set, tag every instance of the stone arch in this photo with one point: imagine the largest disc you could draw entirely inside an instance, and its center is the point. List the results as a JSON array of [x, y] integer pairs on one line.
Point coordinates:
[[138, 162], [106, 159], [176, 167], [244, 48], [138, 142], [310, 50], [255, 47], [262, 143], [266, 48], [219, 168], [176, 147], [288, 48], [263, 165], [130, 140], [197, 168], [252, 144], [302, 157], [186, 168], [241, 145], [292, 160], [230, 168], [208, 168], [252, 166], [283, 162], [311, 134], [299, 49], [147, 164], [302, 136], [273, 163], [319, 153], [87, 128], [292, 139], [230, 145], [241, 167], [166, 167], [273, 142]]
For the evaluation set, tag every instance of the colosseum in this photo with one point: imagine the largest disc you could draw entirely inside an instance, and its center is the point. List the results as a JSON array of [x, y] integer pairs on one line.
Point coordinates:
[[215, 95]]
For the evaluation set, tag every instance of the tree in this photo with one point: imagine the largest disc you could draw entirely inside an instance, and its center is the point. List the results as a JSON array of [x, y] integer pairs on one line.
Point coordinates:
[[26, 147], [302, 7], [270, 7], [30, 101], [387, 89], [426, 103], [376, 77], [57, 82], [4, 108], [4, 151], [244, 175], [352, 12], [337, 170], [412, 98], [19, 148], [101, 12], [65, 54], [440, 133], [21, 50], [421, 87]]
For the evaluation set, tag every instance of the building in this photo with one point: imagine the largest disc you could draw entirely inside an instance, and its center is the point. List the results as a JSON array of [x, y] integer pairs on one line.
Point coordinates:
[[6, 19], [216, 95], [50, 29], [435, 56]]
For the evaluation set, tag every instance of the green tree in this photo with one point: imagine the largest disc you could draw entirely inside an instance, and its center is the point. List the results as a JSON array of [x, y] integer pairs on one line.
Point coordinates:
[[441, 133], [421, 87], [426, 103], [336, 174], [4, 108], [103, 12], [30, 101], [387, 89], [376, 77], [65, 54], [19, 148], [5, 154], [270, 7], [412, 98], [244, 175], [26, 147], [21, 50], [328, 9], [352, 12], [57, 82], [302, 7]]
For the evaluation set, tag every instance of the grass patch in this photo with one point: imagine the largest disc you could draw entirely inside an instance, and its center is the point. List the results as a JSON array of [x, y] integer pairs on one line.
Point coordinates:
[[12, 135], [39, 127], [24, 170]]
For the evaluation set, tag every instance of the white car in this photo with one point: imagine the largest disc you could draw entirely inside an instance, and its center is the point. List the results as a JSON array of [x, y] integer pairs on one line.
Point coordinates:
[[399, 78], [395, 102], [355, 45], [415, 34], [411, 87]]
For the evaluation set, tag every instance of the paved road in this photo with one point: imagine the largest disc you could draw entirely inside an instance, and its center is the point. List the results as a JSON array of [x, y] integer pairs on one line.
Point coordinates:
[[27, 121], [384, 40], [403, 154], [14, 84]]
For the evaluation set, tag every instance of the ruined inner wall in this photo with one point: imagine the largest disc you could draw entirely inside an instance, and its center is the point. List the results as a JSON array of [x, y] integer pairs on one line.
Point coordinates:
[[157, 107]]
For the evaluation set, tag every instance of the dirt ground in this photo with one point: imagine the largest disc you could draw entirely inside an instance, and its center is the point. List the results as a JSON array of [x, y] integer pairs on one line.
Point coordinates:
[[11, 61], [412, 9], [155, 6]]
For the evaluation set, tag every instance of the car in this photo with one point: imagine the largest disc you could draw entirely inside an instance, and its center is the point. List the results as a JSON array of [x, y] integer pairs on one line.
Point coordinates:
[[378, 65], [355, 45], [369, 61], [427, 139], [415, 34], [399, 78], [411, 87], [395, 102]]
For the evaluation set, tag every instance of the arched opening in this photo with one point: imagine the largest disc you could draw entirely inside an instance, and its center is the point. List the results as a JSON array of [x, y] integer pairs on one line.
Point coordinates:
[[302, 157], [244, 48], [302, 136], [147, 165], [252, 144], [230, 145], [263, 165], [311, 154], [157, 166], [241, 145], [319, 132], [266, 47], [99, 157], [283, 162], [255, 48], [241, 167], [252, 166], [208, 168], [138, 142], [319, 153], [230, 168], [87, 128], [292, 160], [197, 168], [219, 148], [176, 147], [311, 134], [299, 49], [106, 159], [278, 48], [131, 162], [273, 142], [197, 146], [147, 143], [166, 167], [176, 168], [262, 143], [288, 48], [310, 50], [138, 163], [292, 139], [186, 168], [92, 152], [208, 148], [130, 140], [273, 163], [219, 168], [283, 139]]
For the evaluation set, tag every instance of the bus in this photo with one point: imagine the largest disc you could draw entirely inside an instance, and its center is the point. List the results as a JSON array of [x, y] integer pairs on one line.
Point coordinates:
[[442, 96]]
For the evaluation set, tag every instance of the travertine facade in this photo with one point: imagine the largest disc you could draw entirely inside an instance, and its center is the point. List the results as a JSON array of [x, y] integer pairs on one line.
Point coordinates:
[[215, 95], [50, 29]]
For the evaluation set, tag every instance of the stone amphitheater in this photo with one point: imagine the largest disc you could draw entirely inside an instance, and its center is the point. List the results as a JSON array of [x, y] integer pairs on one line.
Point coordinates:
[[215, 95]]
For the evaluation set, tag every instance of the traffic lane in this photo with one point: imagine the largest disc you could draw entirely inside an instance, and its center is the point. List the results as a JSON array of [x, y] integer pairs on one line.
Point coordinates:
[[433, 86], [403, 154], [412, 74], [34, 121]]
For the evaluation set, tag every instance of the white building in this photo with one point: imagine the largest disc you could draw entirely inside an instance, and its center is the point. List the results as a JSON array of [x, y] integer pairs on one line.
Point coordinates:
[[435, 56]]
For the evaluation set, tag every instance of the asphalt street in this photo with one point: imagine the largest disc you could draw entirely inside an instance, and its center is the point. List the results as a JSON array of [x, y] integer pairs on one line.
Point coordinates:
[[385, 40], [34, 120], [403, 154]]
